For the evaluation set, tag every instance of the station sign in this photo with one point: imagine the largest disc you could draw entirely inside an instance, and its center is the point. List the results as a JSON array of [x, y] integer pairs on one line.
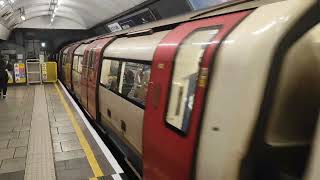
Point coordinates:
[[141, 17]]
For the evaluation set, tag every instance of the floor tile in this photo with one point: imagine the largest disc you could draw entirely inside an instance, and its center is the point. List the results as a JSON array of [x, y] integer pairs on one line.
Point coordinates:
[[61, 123], [9, 135], [24, 134], [65, 129], [6, 153], [74, 174], [54, 131], [22, 128], [57, 147], [64, 137], [77, 163], [19, 175], [4, 143], [13, 165], [18, 142], [21, 152], [69, 155], [70, 145]]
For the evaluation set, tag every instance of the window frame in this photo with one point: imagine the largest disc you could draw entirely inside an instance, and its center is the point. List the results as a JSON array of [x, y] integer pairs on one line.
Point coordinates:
[[179, 131], [121, 61]]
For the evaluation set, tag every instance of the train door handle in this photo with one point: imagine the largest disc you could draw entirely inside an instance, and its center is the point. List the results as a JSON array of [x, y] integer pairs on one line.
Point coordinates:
[[156, 94], [109, 113], [123, 126]]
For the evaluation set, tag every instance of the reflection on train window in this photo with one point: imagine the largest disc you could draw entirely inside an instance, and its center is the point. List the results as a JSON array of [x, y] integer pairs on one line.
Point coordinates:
[[80, 64], [185, 74], [134, 82], [64, 59], [75, 63], [109, 74]]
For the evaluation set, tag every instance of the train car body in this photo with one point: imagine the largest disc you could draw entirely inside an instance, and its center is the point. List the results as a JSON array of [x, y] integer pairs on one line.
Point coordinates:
[[209, 95]]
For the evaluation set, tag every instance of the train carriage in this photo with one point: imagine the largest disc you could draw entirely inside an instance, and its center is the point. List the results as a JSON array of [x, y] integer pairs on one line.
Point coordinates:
[[214, 94]]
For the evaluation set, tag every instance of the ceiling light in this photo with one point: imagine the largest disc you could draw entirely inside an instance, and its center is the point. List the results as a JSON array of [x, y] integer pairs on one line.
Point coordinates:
[[59, 2], [51, 19], [23, 18], [53, 15], [12, 1], [1, 3], [43, 44]]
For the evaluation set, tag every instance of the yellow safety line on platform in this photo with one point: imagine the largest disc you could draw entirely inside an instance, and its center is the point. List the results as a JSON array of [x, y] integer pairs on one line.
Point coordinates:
[[83, 141]]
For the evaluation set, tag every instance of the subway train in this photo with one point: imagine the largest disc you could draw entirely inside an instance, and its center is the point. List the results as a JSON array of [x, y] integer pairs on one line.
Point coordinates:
[[226, 93]]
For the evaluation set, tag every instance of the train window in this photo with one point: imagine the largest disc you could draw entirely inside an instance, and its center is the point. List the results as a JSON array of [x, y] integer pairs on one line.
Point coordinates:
[[75, 63], [185, 75], [134, 81], [80, 64], [109, 74]]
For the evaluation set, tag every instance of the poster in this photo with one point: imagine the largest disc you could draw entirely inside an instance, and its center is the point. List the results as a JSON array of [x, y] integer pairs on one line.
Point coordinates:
[[44, 72], [20, 72]]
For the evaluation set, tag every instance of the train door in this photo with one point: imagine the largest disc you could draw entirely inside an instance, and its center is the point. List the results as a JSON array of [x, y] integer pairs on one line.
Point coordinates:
[[70, 55], [84, 75], [176, 94], [93, 72]]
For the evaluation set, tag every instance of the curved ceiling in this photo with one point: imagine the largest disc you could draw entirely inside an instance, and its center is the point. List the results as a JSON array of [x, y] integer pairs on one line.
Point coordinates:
[[75, 14]]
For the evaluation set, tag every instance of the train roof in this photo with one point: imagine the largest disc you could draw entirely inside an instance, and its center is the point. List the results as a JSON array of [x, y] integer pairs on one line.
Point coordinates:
[[169, 23]]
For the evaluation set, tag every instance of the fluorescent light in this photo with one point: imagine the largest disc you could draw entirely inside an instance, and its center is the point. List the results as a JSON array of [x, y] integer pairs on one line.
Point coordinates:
[[23, 18], [43, 44]]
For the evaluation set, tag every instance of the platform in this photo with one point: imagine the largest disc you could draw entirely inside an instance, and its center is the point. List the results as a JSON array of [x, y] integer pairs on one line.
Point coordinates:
[[43, 136]]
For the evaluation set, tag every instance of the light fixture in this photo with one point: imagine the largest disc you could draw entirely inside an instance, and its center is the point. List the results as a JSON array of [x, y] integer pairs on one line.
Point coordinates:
[[51, 20], [22, 14], [12, 1], [1, 3], [43, 44]]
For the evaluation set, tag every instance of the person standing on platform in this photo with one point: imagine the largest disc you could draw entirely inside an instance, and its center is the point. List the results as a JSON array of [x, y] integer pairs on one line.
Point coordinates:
[[4, 77]]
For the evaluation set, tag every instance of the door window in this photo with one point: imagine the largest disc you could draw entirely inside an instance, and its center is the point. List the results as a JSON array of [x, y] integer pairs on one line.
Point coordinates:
[[109, 74], [185, 76], [75, 63], [135, 81]]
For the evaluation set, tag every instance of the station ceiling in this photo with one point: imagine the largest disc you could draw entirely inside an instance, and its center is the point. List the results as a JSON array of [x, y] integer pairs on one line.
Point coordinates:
[[60, 14]]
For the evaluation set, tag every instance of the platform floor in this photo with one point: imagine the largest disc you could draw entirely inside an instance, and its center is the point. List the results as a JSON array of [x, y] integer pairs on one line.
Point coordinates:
[[43, 137]]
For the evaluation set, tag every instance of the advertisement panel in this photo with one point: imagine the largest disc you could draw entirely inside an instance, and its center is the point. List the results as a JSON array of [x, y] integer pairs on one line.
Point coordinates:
[[20, 73]]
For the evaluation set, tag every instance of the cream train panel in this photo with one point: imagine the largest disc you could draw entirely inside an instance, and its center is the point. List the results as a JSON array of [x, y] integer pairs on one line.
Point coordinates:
[[236, 90], [122, 110], [138, 48]]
